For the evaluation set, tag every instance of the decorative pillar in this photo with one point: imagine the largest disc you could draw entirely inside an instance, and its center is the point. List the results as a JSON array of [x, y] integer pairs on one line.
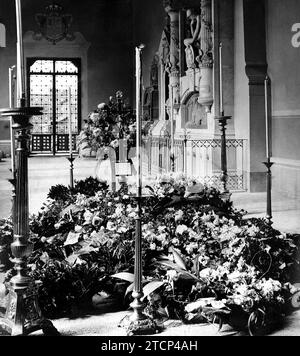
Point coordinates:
[[206, 56], [174, 48], [256, 71], [174, 88]]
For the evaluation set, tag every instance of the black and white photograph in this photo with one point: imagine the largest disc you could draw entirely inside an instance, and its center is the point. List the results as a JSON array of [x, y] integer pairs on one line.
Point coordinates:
[[149, 171]]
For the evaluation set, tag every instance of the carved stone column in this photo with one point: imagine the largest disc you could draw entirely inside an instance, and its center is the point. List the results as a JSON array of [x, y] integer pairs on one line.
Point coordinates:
[[206, 56], [174, 55]]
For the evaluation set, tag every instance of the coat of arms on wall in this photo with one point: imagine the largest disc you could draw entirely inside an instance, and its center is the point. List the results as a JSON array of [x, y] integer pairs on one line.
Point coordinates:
[[54, 24]]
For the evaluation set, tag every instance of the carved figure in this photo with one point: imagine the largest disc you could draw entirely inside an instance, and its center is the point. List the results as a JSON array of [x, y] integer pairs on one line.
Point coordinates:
[[190, 57], [193, 43]]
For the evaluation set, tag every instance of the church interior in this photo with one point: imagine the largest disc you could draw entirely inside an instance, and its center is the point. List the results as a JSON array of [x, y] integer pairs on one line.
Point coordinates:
[[214, 88]]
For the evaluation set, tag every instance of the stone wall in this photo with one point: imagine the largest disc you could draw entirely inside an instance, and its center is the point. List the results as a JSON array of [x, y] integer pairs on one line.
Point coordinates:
[[283, 25], [106, 25]]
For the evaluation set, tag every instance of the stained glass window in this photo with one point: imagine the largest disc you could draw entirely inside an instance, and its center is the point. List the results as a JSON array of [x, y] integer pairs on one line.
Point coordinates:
[[49, 83], [42, 66], [65, 67]]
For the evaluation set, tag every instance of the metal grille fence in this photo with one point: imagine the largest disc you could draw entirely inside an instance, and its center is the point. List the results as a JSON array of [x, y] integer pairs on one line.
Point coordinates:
[[197, 158]]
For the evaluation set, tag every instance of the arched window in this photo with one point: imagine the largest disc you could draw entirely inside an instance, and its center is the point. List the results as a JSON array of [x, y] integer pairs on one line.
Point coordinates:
[[48, 83]]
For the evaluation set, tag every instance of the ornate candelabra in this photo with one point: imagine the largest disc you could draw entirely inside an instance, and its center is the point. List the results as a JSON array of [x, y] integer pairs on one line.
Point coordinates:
[[23, 315], [224, 174]]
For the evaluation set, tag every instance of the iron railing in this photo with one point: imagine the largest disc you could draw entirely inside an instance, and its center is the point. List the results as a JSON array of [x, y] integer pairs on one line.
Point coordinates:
[[198, 158]]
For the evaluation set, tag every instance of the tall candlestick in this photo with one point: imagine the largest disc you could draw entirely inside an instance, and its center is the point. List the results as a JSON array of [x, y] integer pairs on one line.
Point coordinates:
[[139, 323], [11, 104], [221, 80], [70, 122], [138, 118], [267, 118], [20, 56], [172, 129]]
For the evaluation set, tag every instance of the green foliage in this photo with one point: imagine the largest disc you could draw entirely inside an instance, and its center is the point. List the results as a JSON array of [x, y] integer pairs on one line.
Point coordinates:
[[89, 187], [196, 249], [108, 123], [59, 192]]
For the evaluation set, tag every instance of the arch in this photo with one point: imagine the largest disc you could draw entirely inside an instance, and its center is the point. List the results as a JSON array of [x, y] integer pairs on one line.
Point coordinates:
[[75, 48], [186, 96]]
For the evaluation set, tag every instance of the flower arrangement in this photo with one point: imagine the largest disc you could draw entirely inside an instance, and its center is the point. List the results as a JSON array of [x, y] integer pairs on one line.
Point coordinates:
[[6, 236], [202, 260], [108, 123]]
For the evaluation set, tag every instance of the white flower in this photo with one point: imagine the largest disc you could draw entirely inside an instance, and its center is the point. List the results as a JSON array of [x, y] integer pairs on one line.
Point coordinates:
[[101, 106], [238, 300], [268, 287], [110, 226], [205, 217], [242, 289], [162, 237], [191, 247], [178, 215], [122, 229], [78, 228], [252, 230], [161, 229], [88, 217], [205, 273], [94, 116], [175, 241], [181, 229], [172, 275], [234, 276], [57, 225], [119, 210], [115, 143], [153, 246]]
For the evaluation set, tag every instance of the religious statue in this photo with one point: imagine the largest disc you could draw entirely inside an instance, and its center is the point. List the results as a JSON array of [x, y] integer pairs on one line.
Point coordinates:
[[190, 56], [193, 44], [154, 71]]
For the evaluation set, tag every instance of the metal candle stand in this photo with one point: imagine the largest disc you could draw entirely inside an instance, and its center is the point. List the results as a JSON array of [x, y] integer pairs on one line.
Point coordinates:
[[138, 323], [269, 165], [23, 314], [71, 159], [224, 175]]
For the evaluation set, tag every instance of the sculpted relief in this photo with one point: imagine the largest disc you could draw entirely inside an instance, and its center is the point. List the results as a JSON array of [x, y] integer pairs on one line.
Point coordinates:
[[193, 44], [196, 117]]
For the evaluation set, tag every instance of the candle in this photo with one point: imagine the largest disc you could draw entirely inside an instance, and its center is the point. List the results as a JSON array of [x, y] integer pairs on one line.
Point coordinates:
[[172, 126], [70, 121], [221, 80], [267, 118], [138, 119], [11, 104], [20, 56]]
